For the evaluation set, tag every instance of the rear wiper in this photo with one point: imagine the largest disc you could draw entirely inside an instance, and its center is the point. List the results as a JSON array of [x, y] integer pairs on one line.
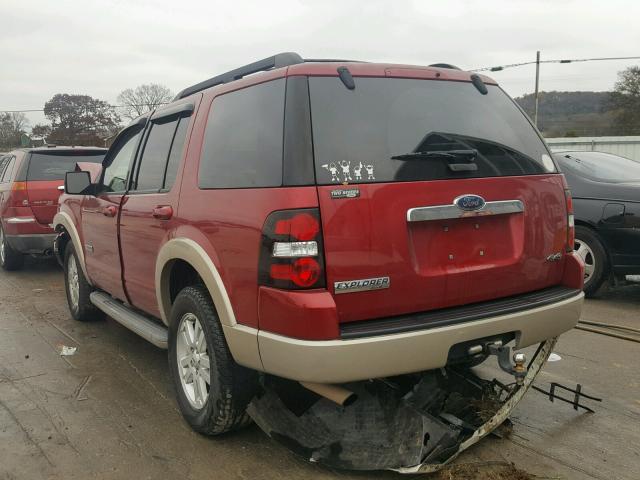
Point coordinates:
[[471, 153]]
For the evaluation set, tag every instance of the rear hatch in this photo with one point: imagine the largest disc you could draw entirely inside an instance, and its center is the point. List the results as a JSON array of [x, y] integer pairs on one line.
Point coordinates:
[[45, 173], [392, 156]]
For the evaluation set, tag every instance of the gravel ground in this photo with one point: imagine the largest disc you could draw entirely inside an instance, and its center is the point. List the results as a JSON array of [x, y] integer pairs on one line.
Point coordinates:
[[109, 412]]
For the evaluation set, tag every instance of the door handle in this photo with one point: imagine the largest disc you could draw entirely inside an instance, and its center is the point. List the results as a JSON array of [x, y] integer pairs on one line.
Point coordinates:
[[109, 211], [163, 212]]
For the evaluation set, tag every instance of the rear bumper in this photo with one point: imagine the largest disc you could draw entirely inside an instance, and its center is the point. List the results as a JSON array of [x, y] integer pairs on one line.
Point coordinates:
[[339, 361], [33, 244]]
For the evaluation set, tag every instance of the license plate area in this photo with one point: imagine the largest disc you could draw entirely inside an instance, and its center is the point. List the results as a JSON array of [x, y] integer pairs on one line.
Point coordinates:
[[471, 243]]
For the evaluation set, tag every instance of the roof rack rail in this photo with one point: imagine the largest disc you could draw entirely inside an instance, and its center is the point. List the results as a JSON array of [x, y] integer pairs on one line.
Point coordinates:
[[445, 65], [276, 61]]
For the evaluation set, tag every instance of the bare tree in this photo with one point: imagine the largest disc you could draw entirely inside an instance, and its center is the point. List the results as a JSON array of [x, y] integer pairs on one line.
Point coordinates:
[[142, 99], [12, 127]]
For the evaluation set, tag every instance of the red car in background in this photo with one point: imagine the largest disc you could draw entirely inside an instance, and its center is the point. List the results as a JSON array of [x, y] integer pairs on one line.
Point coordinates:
[[31, 181]]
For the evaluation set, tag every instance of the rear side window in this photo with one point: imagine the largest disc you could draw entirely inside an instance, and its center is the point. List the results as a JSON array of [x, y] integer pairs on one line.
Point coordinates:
[[4, 162], [161, 155], [5, 176], [434, 129], [54, 165], [244, 138]]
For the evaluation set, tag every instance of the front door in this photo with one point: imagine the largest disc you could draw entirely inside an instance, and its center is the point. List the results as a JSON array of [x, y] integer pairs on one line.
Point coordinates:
[[146, 218], [100, 216]]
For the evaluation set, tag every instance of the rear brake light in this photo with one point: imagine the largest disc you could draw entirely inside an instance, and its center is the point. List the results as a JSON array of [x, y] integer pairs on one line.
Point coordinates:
[[19, 196], [571, 228], [291, 253]]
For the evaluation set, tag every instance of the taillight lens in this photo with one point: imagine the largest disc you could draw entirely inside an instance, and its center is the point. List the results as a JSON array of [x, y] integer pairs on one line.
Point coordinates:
[[571, 228], [19, 197], [291, 252]]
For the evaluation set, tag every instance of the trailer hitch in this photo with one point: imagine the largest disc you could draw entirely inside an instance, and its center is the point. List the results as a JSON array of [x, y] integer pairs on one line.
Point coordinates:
[[517, 368]]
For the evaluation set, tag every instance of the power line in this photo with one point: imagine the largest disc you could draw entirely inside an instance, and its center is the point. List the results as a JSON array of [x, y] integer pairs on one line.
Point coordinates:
[[572, 60], [31, 110]]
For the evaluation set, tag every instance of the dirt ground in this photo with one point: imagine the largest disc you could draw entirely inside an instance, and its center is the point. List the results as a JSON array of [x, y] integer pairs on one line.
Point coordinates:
[[108, 412]]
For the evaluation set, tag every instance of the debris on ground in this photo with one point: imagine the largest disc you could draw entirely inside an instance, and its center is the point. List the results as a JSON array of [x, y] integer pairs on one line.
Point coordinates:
[[483, 471], [411, 424], [65, 351]]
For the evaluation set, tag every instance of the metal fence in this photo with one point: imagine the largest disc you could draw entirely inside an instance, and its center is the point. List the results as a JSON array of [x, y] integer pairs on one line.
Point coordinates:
[[624, 146]]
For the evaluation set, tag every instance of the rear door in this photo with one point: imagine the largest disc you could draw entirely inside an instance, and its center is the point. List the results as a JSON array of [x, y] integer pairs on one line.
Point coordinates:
[[148, 207], [45, 174], [100, 215], [403, 166]]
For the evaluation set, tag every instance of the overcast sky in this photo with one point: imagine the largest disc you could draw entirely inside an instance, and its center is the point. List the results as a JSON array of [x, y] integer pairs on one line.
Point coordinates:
[[100, 47]]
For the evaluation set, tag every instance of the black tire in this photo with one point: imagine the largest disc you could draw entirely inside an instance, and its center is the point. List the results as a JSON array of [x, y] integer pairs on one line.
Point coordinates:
[[231, 386], [81, 310], [9, 258], [597, 255]]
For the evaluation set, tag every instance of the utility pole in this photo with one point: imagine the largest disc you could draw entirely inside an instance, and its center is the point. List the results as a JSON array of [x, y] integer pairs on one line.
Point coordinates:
[[535, 112]]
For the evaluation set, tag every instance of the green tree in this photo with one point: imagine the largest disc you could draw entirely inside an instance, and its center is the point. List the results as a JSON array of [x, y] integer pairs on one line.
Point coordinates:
[[625, 99], [80, 120], [12, 127], [142, 99]]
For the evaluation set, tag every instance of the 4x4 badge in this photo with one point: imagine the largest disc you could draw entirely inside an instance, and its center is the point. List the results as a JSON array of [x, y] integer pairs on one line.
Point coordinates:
[[345, 193], [349, 286]]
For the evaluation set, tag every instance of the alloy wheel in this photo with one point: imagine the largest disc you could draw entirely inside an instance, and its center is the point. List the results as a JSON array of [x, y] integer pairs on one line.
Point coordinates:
[[193, 360]]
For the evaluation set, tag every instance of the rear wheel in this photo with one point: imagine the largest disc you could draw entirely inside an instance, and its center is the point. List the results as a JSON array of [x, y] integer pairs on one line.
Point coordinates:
[[213, 391], [9, 258], [77, 288], [596, 263]]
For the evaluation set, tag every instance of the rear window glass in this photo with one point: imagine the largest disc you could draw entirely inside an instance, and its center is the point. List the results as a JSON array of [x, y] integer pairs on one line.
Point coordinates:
[[600, 166], [243, 141], [435, 129], [54, 166]]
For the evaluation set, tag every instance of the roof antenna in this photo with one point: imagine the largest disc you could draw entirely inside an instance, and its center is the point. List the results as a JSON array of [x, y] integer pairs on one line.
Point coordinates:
[[346, 77]]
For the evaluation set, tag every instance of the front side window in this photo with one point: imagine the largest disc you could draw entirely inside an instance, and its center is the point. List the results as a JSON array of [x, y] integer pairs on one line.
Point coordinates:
[[244, 137], [119, 161], [401, 130]]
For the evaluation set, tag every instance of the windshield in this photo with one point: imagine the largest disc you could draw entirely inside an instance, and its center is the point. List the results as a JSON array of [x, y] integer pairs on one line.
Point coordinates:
[[54, 165], [603, 167], [368, 134]]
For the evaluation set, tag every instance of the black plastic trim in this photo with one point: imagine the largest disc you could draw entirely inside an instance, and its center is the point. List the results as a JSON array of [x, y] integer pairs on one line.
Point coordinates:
[[456, 315], [185, 109], [298, 168], [277, 61]]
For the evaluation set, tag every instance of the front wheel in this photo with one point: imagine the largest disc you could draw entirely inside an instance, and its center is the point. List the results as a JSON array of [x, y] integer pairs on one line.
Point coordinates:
[[9, 258], [213, 390], [596, 263]]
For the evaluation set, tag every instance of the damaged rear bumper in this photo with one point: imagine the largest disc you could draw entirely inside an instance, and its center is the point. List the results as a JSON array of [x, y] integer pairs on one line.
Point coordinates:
[[412, 424]]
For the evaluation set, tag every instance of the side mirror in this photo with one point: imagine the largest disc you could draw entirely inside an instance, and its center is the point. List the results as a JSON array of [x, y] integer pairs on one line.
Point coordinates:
[[78, 183]]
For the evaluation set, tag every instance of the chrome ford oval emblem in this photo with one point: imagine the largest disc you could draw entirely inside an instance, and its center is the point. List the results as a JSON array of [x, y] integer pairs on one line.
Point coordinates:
[[469, 202]]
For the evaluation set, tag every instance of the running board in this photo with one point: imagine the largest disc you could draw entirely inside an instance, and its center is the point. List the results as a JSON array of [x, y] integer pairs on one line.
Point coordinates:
[[143, 326]]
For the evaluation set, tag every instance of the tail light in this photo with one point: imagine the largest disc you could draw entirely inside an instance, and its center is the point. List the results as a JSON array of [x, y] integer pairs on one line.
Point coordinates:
[[571, 228], [19, 196], [291, 252]]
